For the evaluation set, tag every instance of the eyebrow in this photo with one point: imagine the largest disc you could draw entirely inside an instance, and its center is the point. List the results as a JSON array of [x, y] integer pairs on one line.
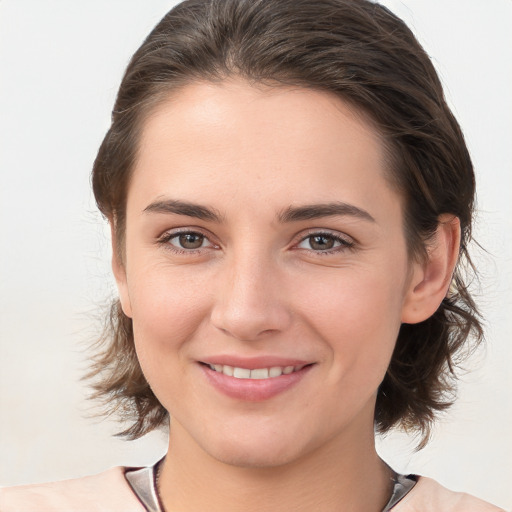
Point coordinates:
[[184, 208], [290, 214], [317, 211]]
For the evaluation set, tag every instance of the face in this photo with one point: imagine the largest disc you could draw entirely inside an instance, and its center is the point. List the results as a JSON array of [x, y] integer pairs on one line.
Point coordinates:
[[265, 269]]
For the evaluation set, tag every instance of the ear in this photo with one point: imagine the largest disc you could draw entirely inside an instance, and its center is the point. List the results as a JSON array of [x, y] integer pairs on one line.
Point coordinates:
[[431, 279], [119, 270]]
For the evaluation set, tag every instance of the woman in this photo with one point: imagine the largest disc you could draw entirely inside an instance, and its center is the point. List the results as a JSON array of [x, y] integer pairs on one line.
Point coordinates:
[[290, 199]]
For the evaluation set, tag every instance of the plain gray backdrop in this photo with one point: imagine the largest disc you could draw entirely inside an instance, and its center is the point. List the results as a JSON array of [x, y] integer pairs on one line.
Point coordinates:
[[60, 66]]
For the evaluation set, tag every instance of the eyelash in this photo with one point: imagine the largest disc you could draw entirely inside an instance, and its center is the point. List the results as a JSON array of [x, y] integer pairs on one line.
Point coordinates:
[[166, 238], [344, 244]]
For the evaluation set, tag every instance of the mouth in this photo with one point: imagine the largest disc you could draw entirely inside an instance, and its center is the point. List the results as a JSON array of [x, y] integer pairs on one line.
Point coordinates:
[[257, 373], [258, 383]]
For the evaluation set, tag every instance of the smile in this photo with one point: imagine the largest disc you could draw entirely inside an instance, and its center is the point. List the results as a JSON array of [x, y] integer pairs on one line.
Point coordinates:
[[263, 381], [257, 373]]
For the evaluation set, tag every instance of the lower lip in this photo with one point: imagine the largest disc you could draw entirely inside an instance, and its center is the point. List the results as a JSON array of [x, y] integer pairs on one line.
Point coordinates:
[[253, 390]]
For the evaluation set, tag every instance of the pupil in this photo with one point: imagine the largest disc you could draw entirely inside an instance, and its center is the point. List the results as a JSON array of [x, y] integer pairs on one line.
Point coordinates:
[[321, 242], [191, 241]]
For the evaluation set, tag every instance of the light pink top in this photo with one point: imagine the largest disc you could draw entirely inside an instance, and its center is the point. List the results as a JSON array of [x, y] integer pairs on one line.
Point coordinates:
[[110, 492], [429, 496], [107, 492]]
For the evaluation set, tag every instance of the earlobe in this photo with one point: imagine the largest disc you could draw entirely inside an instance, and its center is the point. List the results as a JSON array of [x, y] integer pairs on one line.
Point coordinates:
[[431, 279], [119, 271]]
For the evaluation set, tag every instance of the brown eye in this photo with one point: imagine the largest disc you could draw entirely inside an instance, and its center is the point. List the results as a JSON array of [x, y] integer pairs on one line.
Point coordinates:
[[324, 242], [321, 242], [188, 240]]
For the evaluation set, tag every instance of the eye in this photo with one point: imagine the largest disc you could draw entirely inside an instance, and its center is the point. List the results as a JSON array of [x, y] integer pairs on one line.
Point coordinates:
[[188, 241], [323, 242]]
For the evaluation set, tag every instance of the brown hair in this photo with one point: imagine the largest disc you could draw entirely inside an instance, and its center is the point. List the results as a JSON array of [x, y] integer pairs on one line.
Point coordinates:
[[361, 52]]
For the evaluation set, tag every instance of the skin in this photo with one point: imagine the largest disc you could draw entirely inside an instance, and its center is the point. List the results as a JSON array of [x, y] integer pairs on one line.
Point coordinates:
[[258, 285]]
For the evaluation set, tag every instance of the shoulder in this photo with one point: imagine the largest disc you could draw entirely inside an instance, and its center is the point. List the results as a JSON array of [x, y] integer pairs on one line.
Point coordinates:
[[429, 496], [105, 492]]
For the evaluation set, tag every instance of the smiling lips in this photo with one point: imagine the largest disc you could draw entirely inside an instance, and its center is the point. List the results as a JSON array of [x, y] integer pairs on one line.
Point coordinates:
[[257, 373], [254, 384]]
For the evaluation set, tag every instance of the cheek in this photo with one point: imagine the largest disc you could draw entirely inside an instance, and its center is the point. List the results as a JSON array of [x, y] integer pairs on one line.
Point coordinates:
[[358, 317], [168, 308]]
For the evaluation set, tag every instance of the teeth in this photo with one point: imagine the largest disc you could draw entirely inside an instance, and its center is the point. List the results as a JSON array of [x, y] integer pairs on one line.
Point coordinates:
[[241, 373], [275, 371], [258, 373]]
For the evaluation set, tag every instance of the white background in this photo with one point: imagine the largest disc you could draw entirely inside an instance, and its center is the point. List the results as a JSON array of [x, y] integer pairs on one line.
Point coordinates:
[[60, 66]]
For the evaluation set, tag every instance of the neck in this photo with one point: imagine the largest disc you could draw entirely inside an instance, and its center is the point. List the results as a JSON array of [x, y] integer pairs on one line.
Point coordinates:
[[345, 474]]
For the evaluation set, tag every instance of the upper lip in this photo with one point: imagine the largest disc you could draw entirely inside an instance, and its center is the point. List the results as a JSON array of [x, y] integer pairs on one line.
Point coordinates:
[[253, 363]]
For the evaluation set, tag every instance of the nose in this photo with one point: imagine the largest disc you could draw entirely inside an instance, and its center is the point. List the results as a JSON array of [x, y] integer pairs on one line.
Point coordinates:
[[250, 302]]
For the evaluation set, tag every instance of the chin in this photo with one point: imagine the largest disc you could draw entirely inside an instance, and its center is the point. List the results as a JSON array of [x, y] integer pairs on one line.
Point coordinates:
[[261, 449], [257, 458]]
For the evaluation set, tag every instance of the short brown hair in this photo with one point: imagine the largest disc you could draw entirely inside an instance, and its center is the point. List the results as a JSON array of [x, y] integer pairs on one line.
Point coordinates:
[[361, 52]]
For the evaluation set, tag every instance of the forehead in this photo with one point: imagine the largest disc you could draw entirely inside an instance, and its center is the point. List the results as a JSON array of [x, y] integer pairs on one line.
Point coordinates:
[[207, 142]]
